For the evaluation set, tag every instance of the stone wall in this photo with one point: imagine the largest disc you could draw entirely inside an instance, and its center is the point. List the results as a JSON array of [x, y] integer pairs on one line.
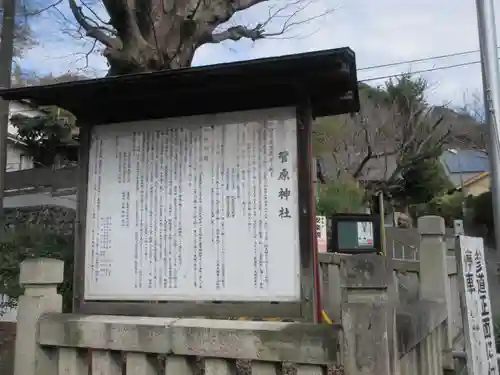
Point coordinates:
[[53, 218], [7, 344]]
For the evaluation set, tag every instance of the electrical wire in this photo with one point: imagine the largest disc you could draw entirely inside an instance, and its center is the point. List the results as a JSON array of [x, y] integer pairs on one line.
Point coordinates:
[[420, 71], [419, 60], [423, 59]]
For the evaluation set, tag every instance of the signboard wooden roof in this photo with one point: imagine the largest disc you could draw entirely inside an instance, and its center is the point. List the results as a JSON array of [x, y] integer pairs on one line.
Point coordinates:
[[328, 77], [149, 187]]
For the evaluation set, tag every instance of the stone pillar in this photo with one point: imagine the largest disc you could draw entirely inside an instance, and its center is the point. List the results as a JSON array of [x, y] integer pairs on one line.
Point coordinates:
[[434, 280], [40, 278], [365, 313]]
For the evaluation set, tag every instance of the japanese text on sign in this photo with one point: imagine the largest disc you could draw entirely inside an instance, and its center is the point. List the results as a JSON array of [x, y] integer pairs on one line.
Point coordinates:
[[365, 233], [198, 208], [321, 236], [479, 323]]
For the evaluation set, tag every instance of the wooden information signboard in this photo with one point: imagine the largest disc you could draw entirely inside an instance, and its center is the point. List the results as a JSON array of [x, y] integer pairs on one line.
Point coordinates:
[[195, 185]]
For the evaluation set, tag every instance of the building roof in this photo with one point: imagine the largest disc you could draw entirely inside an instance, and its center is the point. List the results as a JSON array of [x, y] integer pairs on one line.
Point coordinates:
[[476, 178], [326, 78], [466, 161]]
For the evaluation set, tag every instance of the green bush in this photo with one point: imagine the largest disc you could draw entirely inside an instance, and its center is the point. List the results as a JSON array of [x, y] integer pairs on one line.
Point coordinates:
[[423, 182], [496, 330], [30, 241], [482, 211], [449, 206], [339, 197]]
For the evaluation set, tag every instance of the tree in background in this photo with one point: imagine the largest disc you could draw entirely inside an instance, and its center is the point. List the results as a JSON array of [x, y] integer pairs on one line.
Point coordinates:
[[448, 206], [23, 34], [482, 212], [50, 139], [422, 182], [34, 241], [342, 196], [391, 143], [151, 35]]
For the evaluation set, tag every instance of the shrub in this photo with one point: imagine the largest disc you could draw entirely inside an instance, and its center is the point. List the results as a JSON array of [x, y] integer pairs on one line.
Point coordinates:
[[339, 197], [30, 241], [449, 206]]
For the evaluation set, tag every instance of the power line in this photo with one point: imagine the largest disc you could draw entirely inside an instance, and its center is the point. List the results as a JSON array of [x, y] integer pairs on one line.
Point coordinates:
[[404, 62], [420, 71], [423, 59]]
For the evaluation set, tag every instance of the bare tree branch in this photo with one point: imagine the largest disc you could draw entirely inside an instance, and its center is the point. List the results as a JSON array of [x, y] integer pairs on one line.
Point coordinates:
[[93, 31], [259, 31], [379, 145], [44, 9], [245, 4], [236, 33]]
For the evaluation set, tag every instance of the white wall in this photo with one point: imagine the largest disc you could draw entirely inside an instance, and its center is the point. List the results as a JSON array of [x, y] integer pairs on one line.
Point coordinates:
[[17, 158]]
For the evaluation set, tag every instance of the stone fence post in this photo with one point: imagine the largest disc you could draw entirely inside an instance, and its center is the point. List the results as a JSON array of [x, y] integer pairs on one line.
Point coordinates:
[[40, 278], [365, 312], [434, 281]]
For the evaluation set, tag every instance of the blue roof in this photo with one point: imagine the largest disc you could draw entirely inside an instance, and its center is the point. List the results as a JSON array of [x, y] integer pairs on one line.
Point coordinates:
[[466, 161]]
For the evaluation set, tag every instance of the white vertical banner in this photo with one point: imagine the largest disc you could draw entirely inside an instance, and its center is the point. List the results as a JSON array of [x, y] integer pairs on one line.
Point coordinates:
[[321, 235], [476, 308]]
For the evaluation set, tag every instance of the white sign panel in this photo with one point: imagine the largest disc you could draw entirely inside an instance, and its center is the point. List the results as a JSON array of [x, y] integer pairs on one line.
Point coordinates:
[[194, 208], [321, 234], [478, 320], [365, 233]]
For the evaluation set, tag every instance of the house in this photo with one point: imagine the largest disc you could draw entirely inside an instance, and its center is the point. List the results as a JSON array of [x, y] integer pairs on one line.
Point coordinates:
[[477, 185], [464, 165], [19, 159], [17, 155]]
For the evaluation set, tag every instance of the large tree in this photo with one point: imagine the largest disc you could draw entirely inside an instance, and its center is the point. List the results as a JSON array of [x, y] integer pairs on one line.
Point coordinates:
[[151, 35], [23, 34], [393, 140], [51, 137]]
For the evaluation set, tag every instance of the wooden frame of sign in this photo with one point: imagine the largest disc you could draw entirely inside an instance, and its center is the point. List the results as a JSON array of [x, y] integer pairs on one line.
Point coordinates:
[[272, 103]]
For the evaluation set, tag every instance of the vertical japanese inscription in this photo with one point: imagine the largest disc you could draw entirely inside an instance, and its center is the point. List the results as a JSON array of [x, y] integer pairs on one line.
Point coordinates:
[[194, 211], [481, 345], [284, 192]]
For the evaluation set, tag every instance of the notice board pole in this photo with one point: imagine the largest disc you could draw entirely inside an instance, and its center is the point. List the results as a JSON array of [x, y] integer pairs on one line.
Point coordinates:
[[307, 235]]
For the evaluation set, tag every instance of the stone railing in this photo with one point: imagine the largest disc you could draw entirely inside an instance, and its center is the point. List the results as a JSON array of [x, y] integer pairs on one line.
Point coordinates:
[[380, 332], [423, 301], [114, 345], [51, 343]]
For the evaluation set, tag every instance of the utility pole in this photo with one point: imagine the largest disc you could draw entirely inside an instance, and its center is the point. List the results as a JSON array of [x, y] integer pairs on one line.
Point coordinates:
[[491, 88], [6, 55]]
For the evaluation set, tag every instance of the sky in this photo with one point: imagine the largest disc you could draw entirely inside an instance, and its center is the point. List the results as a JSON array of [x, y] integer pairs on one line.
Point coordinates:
[[380, 32]]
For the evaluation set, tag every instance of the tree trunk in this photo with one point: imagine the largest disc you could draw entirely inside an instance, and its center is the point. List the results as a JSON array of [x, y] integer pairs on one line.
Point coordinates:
[[154, 35], [142, 59]]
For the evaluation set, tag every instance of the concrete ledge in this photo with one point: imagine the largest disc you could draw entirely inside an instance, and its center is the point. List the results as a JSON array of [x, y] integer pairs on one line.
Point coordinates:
[[135, 334], [364, 271], [400, 265], [41, 271], [331, 258], [263, 341], [414, 322], [431, 226]]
